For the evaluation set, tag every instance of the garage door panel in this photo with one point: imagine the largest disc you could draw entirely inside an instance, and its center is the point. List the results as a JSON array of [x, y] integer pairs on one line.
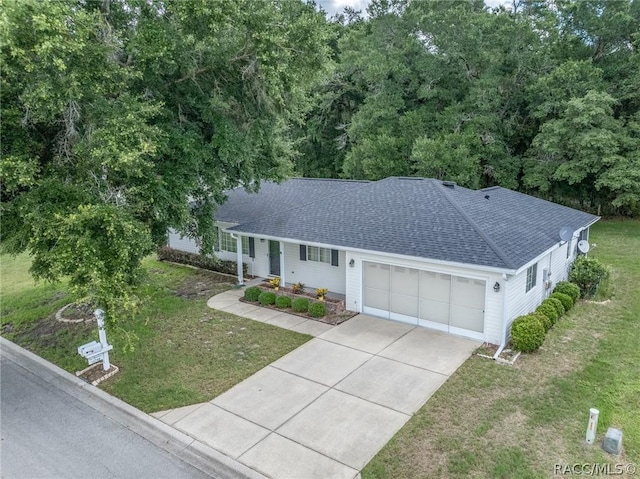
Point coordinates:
[[376, 276], [467, 318], [467, 292], [437, 311], [435, 286], [404, 280], [376, 298], [404, 304]]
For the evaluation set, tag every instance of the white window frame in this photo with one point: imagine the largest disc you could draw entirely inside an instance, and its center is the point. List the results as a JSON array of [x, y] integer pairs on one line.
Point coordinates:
[[532, 277], [228, 243], [319, 255]]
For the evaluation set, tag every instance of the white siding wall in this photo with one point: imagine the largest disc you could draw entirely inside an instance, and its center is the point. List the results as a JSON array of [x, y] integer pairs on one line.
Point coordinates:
[[493, 300], [181, 243], [314, 274], [522, 302]]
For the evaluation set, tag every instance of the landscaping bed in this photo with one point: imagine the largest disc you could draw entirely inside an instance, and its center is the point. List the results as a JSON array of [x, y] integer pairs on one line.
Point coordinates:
[[300, 303]]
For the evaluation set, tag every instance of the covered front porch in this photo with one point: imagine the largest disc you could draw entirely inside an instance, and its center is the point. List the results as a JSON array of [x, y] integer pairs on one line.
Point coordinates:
[[314, 266]]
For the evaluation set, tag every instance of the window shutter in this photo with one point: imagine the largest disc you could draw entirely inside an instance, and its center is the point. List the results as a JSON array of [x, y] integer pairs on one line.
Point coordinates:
[[252, 247], [303, 252], [334, 257]]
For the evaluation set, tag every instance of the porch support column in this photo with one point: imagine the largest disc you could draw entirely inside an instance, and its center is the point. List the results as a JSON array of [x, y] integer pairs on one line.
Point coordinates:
[[281, 247], [239, 258]]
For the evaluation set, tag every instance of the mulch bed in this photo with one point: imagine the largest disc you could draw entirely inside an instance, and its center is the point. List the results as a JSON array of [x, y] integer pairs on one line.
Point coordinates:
[[95, 373], [332, 317]]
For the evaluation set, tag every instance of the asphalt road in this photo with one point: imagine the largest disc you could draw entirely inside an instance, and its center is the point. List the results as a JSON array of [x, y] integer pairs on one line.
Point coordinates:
[[48, 433]]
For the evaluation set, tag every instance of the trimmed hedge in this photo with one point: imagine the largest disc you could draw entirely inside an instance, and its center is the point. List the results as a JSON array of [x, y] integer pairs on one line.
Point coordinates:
[[556, 303], [283, 302], [200, 261], [549, 311], [570, 289], [252, 293], [317, 310], [565, 299], [267, 298], [527, 333], [300, 305]]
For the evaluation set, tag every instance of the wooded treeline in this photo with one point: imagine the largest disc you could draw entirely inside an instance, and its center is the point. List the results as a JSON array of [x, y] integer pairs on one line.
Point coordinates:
[[123, 118], [542, 97]]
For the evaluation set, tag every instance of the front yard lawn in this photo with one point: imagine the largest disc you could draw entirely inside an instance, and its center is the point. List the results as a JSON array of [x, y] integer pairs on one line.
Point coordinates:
[[184, 353], [491, 420]]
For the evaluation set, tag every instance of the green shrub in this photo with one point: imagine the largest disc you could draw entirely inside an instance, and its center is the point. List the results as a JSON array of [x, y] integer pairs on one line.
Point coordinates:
[[283, 302], [565, 299], [570, 289], [549, 311], [587, 273], [317, 310], [252, 293], [527, 333], [267, 298], [200, 261], [300, 305], [556, 303]]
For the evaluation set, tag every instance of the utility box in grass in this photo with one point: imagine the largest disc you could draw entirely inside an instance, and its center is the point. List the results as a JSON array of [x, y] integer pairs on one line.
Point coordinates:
[[613, 441]]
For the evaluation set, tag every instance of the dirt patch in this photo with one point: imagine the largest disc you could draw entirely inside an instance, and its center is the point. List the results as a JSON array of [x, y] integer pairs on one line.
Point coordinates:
[[203, 284], [46, 331]]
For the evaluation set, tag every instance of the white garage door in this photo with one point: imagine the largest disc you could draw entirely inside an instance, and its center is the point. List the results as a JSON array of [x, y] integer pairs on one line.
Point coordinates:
[[441, 301]]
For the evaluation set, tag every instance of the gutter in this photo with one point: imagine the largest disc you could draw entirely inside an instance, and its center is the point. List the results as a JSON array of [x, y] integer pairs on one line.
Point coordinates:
[[505, 317]]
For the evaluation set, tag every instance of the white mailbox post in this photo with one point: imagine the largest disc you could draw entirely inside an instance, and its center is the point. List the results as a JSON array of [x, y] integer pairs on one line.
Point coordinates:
[[97, 351]]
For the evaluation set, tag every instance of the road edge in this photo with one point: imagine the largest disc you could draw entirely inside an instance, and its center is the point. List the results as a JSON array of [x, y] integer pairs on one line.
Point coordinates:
[[179, 444]]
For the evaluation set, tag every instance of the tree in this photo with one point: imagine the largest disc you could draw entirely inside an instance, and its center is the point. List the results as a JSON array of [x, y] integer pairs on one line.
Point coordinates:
[[586, 149], [122, 119]]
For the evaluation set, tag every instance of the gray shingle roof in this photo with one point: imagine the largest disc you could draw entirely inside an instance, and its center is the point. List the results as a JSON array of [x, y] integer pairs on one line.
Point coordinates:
[[274, 198], [408, 216]]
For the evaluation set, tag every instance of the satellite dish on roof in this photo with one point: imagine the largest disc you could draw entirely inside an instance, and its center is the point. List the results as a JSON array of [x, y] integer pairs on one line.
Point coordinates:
[[566, 233], [583, 246]]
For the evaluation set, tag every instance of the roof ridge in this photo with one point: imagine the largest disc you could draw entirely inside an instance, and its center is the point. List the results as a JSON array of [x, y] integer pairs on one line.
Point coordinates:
[[492, 244], [342, 180]]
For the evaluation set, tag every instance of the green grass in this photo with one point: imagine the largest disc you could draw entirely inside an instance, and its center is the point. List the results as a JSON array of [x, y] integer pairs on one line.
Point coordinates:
[[184, 351], [491, 420]]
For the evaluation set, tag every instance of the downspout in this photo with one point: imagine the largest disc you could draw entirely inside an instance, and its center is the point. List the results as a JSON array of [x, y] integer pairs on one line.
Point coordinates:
[[238, 257], [505, 317]]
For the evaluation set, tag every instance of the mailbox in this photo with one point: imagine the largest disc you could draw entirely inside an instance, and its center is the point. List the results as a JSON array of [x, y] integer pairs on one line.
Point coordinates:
[[90, 349]]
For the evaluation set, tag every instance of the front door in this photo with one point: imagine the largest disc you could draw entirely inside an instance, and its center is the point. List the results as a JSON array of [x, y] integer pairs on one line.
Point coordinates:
[[274, 258]]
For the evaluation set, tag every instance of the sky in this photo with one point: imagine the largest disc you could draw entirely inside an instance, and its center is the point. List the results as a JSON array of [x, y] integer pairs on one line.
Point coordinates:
[[335, 6]]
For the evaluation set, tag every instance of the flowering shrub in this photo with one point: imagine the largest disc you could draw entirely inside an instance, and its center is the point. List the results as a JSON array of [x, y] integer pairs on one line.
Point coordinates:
[[298, 288], [321, 292], [275, 282]]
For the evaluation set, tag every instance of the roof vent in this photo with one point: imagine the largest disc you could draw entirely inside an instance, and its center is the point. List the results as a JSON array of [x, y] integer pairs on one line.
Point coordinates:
[[449, 184], [486, 197]]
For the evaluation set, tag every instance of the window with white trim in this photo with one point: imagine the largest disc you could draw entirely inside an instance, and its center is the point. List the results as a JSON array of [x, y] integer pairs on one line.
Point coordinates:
[[228, 243], [321, 255], [532, 275]]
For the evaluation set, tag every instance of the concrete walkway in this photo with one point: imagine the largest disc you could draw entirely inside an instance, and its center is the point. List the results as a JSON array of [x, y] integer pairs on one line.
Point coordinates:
[[325, 409]]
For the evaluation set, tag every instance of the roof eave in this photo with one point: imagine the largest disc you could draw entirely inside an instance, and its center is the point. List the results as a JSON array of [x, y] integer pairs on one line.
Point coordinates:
[[478, 267]]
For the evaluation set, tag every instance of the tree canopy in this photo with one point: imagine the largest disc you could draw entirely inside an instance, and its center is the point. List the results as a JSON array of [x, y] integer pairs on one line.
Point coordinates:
[[123, 118]]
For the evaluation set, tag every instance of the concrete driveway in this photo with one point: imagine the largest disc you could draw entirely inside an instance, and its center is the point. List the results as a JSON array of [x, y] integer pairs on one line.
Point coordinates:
[[325, 409]]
